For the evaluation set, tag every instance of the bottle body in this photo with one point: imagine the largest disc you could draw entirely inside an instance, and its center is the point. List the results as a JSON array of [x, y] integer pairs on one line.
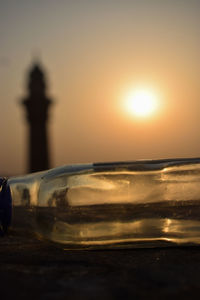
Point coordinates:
[[130, 204]]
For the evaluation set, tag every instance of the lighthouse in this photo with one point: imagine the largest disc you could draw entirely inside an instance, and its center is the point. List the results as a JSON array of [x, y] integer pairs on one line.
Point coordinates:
[[37, 105]]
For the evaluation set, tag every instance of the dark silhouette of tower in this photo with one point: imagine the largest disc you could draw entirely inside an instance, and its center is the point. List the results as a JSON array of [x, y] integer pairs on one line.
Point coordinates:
[[36, 106]]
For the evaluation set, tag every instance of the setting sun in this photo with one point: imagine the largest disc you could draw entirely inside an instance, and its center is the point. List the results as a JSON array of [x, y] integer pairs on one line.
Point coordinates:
[[141, 103], [124, 88]]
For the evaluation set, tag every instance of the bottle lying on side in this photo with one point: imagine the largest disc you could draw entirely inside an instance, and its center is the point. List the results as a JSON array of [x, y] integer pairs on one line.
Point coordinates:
[[110, 205]]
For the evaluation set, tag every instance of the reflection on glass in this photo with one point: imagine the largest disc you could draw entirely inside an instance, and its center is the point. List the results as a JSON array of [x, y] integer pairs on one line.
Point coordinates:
[[142, 203]]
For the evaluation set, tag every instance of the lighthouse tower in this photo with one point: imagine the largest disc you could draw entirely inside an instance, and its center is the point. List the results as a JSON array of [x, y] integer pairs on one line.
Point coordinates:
[[37, 105]]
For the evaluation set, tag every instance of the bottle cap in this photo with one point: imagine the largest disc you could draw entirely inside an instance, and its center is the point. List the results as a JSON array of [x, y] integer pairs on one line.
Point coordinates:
[[5, 205]]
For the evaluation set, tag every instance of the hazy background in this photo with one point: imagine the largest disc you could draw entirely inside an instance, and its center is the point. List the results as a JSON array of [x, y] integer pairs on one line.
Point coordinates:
[[94, 51]]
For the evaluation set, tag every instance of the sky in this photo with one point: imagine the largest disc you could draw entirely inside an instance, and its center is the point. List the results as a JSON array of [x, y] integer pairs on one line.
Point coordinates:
[[94, 52]]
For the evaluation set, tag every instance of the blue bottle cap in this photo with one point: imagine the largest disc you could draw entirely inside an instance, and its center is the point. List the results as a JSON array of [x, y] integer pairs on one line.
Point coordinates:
[[5, 206]]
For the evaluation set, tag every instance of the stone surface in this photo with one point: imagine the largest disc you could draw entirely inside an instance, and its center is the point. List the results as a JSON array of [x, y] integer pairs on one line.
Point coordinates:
[[35, 269]]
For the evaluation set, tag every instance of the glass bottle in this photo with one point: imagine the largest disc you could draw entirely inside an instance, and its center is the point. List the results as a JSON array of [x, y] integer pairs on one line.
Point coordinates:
[[110, 205]]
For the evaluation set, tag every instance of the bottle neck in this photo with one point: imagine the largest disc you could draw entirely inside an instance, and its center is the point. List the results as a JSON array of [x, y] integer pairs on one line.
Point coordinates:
[[24, 189], [20, 192]]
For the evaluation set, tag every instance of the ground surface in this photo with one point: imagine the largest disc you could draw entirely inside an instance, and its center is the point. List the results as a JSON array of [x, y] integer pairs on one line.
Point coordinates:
[[34, 269]]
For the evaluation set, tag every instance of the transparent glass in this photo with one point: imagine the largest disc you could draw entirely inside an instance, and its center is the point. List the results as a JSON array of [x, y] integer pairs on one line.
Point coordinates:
[[124, 204]]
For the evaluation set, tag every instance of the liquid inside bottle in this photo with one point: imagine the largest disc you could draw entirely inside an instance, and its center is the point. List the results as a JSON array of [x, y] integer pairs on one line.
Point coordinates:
[[130, 204]]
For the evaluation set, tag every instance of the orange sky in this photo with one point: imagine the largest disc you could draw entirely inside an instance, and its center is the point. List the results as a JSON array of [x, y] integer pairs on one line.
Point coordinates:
[[94, 52]]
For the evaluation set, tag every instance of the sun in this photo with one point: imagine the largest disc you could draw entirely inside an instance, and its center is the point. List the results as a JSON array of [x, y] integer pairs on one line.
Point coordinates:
[[141, 103]]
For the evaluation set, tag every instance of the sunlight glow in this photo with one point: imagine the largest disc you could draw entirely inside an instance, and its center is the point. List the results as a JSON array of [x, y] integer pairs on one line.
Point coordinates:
[[141, 103]]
